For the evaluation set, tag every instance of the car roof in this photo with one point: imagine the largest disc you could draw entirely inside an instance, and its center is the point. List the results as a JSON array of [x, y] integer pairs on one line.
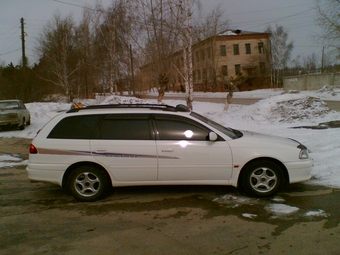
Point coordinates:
[[11, 100], [129, 108]]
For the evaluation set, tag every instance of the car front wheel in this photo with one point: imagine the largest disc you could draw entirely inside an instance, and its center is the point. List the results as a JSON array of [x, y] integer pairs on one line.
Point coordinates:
[[88, 183], [262, 178]]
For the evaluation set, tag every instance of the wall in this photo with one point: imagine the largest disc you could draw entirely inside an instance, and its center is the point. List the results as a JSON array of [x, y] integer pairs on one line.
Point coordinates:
[[310, 81]]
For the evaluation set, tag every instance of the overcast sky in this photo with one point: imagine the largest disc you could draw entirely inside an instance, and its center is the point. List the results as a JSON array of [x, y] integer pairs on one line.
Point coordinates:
[[296, 16]]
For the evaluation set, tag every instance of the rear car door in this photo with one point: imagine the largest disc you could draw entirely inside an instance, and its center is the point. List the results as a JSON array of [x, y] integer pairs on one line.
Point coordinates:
[[185, 152], [125, 144]]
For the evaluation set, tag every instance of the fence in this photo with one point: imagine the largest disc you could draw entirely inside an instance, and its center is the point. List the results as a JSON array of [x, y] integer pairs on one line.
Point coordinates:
[[310, 81]]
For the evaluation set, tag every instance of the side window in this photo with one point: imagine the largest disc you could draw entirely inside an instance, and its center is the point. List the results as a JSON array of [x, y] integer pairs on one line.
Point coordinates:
[[178, 128], [248, 48], [237, 69], [236, 49], [225, 70], [75, 127], [261, 47], [223, 50], [124, 127]]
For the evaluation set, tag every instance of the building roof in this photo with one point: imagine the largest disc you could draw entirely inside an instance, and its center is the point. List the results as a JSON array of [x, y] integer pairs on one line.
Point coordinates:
[[231, 32]]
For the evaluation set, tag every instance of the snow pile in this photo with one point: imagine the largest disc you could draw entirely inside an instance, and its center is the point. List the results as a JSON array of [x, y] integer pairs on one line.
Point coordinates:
[[124, 100], [303, 108], [330, 90]]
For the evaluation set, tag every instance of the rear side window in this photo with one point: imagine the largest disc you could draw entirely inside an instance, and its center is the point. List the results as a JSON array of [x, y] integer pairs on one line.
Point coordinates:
[[76, 127], [124, 127]]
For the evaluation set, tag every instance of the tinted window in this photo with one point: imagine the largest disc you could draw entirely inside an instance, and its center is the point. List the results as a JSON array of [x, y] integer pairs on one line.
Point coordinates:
[[125, 127], [75, 127], [227, 131], [177, 128]]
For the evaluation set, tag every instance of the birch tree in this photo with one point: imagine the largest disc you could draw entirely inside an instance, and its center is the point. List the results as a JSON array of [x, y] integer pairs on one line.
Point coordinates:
[[186, 32], [209, 26], [84, 47], [57, 45], [328, 13], [112, 42], [281, 51]]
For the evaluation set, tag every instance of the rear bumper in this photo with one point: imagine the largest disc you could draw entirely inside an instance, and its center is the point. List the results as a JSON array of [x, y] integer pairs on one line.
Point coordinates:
[[9, 122], [46, 172]]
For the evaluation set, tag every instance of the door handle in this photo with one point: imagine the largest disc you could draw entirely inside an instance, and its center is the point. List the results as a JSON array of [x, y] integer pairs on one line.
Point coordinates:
[[167, 150]]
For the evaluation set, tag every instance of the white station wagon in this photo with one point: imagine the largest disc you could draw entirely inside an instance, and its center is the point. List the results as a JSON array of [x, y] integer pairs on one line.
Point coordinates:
[[88, 150]]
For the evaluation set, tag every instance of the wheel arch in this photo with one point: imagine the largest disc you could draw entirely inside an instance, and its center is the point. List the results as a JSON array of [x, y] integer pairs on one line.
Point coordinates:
[[84, 163], [282, 166]]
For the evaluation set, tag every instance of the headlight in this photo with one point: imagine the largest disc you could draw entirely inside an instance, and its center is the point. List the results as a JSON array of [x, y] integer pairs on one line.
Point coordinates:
[[303, 154]]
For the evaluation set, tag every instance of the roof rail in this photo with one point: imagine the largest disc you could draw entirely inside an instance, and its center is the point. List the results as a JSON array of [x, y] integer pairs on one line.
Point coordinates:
[[164, 107]]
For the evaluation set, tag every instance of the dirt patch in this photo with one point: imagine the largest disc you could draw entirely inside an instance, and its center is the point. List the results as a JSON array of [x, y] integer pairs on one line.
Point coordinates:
[[15, 146]]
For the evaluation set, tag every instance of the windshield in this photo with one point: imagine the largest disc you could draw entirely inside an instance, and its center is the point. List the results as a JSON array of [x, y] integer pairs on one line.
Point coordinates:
[[9, 105], [232, 133]]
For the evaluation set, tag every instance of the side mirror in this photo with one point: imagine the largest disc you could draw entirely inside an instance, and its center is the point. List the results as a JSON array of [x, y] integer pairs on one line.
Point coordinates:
[[212, 136]]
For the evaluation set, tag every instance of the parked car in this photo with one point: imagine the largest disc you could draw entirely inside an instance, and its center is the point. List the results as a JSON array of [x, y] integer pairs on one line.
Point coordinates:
[[14, 113], [88, 150]]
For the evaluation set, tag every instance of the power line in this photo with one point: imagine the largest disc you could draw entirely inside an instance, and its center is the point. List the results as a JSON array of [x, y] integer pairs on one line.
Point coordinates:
[[6, 53]]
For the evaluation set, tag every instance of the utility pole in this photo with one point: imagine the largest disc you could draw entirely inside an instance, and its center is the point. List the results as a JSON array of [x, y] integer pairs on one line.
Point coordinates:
[[23, 42], [323, 53], [132, 73], [187, 50]]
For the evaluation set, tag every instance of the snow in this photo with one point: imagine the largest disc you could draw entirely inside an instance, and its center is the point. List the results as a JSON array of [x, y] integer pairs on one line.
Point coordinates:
[[276, 114], [282, 209]]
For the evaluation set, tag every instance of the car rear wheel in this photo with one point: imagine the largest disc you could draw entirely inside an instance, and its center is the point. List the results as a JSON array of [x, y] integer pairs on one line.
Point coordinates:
[[262, 178], [88, 183], [22, 125]]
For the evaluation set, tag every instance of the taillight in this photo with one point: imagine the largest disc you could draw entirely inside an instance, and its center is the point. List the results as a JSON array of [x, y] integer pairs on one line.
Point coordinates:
[[33, 150]]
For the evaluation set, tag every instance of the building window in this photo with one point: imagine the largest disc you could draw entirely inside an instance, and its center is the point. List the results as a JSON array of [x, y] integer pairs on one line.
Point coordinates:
[[261, 48], [202, 54], [204, 74], [178, 63], [237, 69], [209, 52], [223, 50], [225, 70], [198, 75], [197, 56], [248, 49], [262, 67], [211, 73], [236, 49]]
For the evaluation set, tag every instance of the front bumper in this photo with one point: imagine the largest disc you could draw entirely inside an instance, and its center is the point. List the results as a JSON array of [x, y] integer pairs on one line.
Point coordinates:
[[300, 171]]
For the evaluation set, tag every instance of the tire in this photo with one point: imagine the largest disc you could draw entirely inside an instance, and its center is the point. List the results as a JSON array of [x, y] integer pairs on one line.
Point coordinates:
[[262, 178], [29, 121], [22, 126], [88, 183]]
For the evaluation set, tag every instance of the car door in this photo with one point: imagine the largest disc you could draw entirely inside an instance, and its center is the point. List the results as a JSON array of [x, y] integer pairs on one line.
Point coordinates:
[[185, 152], [126, 146]]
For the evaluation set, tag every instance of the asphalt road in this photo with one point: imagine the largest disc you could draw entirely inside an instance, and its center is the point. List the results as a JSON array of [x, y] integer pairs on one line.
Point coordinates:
[[41, 218]]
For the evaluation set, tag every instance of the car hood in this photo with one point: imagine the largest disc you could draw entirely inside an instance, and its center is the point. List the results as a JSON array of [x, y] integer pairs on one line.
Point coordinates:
[[253, 139]]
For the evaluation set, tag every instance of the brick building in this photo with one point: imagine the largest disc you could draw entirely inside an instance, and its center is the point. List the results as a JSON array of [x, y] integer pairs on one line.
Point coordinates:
[[217, 61]]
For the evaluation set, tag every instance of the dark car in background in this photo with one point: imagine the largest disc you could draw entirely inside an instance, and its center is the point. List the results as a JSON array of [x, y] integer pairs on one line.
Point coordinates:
[[13, 113]]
